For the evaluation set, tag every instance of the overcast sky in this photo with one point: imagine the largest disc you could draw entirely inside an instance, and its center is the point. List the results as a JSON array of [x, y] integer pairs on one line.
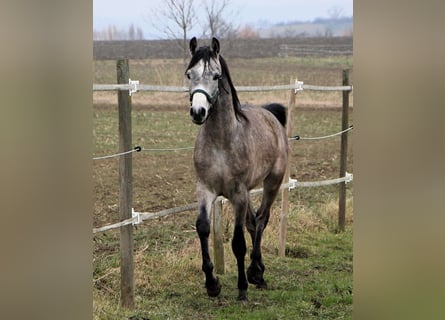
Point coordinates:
[[123, 13]]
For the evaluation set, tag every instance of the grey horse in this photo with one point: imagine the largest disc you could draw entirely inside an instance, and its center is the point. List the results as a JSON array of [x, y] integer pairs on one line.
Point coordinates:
[[237, 148]]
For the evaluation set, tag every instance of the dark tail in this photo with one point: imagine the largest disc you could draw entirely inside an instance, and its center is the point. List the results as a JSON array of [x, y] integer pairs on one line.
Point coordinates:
[[278, 110]]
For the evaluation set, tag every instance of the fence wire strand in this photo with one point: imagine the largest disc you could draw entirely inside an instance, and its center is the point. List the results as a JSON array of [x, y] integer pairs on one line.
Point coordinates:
[[118, 154], [322, 137], [138, 148], [138, 217], [169, 149]]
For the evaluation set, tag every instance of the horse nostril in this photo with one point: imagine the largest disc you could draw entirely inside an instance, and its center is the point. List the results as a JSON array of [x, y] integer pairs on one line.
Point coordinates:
[[198, 114]]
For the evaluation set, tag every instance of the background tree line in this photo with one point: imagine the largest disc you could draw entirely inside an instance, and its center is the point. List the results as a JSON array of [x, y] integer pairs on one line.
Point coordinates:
[[176, 19], [180, 20], [113, 33]]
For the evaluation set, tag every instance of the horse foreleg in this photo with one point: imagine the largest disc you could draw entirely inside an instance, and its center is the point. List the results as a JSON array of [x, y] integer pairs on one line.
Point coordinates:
[[212, 283]]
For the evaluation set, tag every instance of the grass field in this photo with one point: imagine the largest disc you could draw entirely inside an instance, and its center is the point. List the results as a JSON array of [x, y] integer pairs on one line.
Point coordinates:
[[313, 281]]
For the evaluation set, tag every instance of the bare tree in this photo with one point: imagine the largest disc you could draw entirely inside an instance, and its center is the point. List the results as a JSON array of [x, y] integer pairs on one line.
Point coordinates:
[[175, 20], [140, 34], [335, 12], [216, 24], [131, 32], [113, 33]]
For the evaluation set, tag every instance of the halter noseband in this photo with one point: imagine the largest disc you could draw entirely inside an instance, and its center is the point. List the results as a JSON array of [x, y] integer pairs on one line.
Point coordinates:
[[210, 99]]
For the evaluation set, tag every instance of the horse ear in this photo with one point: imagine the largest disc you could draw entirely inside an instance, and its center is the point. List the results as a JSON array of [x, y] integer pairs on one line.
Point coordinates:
[[215, 45], [193, 45]]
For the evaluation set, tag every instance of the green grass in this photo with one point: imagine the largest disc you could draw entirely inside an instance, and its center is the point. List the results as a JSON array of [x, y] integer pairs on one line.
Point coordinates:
[[313, 281]]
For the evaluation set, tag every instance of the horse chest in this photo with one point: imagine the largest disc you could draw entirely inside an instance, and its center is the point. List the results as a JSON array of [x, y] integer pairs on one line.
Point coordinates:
[[219, 167]]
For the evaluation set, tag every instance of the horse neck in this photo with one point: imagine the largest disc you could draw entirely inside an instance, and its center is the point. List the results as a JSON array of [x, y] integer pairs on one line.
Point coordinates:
[[222, 119]]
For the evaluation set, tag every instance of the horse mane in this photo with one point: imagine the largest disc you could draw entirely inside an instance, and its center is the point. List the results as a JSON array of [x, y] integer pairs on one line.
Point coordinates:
[[206, 54], [203, 53], [235, 100]]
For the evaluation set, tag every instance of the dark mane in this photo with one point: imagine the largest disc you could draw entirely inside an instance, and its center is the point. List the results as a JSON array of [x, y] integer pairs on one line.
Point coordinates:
[[205, 54], [235, 101]]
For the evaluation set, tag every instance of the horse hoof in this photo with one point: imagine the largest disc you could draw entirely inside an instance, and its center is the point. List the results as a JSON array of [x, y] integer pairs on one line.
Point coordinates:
[[262, 284], [242, 295], [214, 289], [254, 276]]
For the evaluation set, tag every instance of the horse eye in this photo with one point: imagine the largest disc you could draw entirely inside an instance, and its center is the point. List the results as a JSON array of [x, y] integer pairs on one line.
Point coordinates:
[[217, 76], [187, 75]]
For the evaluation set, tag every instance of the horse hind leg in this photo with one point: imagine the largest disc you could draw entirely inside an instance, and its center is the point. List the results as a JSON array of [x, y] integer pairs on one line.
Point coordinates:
[[239, 250], [256, 268], [250, 222], [240, 206]]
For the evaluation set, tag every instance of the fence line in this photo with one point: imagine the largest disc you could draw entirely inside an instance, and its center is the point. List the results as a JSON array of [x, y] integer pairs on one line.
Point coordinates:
[[135, 87], [127, 215], [168, 149], [139, 217], [297, 138], [135, 149], [138, 148]]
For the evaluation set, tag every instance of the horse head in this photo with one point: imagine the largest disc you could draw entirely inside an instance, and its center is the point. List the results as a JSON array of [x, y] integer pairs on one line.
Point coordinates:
[[204, 72]]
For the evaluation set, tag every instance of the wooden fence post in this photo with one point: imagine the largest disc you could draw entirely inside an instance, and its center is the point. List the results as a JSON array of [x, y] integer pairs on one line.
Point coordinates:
[[343, 153], [285, 192], [125, 187], [218, 237]]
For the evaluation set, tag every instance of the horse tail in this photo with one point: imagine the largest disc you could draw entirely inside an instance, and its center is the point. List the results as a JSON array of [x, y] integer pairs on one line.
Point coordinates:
[[278, 110]]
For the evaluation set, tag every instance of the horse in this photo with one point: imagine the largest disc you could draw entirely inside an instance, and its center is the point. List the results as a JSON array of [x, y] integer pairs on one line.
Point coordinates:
[[236, 149]]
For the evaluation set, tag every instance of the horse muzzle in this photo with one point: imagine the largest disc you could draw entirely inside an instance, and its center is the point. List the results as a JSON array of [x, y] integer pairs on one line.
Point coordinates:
[[198, 114], [201, 102]]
